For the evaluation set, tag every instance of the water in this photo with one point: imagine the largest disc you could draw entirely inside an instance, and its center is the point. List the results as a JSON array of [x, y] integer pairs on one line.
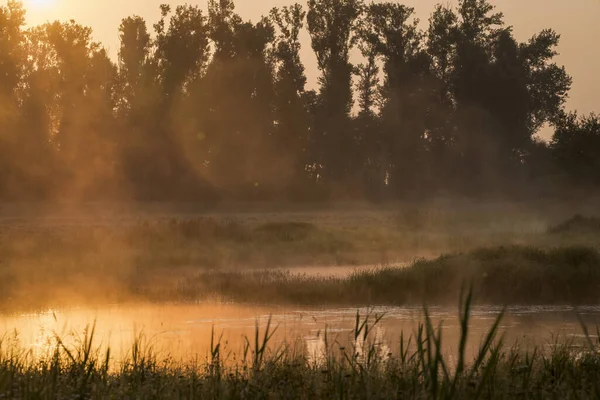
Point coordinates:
[[184, 331]]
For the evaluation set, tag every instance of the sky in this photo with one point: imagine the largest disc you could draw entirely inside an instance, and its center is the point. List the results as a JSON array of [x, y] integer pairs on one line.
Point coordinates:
[[576, 20]]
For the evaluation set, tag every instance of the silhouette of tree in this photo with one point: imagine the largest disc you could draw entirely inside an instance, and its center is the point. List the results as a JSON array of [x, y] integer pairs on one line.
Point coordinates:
[[181, 56], [331, 24], [79, 88], [181, 50], [138, 104], [501, 90], [211, 105], [368, 134], [236, 119], [548, 83], [12, 65], [134, 64], [575, 146], [406, 93], [292, 121], [441, 43]]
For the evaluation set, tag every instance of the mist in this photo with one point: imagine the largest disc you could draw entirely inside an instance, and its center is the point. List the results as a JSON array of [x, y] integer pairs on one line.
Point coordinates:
[[203, 106], [196, 181]]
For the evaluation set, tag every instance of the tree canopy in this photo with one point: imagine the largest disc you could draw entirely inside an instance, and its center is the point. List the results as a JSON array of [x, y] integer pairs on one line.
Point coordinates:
[[205, 105]]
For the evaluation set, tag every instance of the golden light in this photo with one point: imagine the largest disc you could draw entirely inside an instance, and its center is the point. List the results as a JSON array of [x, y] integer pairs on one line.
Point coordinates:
[[40, 4]]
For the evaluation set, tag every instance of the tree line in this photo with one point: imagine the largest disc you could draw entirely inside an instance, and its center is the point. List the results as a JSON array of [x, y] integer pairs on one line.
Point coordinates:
[[206, 105]]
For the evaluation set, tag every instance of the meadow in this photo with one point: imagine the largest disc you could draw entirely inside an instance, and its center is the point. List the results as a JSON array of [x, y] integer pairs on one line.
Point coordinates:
[[187, 256], [413, 256]]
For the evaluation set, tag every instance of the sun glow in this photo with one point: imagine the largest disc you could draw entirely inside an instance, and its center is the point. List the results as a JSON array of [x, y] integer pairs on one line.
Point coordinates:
[[41, 4]]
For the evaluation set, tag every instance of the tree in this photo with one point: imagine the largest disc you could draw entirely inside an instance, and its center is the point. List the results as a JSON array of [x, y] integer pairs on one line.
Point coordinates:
[[406, 93], [331, 24], [182, 50], [78, 93], [478, 26], [12, 66], [441, 44], [12, 57], [575, 146], [138, 106], [182, 54], [442, 38], [238, 82], [548, 84], [134, 62], [292, 127], [213, 106], [367, 127]]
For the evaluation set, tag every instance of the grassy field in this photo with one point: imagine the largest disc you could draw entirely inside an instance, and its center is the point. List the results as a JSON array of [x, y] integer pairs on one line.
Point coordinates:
[[65, 260], [418, 369]]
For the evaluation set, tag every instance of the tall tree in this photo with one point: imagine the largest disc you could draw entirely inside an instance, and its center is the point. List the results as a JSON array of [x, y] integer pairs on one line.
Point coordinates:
[[212, 103], [441, 44], [548, 83], [138, 106], [367, 127], [134, 60], [331, 24], [478, 28], [238, 82], [291, 109], [181, 56], [12, 63], [575, 146], [406, 93], [182, 50], [80, 104]]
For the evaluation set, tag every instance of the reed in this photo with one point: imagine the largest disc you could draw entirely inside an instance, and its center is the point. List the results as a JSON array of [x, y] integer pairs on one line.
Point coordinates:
[[501, 275], [418, 369]]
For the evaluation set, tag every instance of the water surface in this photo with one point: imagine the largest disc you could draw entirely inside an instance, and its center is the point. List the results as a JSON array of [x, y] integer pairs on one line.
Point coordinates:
[[184, 331]]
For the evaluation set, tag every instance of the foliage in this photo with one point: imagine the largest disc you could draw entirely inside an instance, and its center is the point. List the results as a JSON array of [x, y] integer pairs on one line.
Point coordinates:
[[208, 106]]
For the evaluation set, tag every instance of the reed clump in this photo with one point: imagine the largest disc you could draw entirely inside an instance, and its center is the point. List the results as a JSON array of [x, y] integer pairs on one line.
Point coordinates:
[[502, 275]]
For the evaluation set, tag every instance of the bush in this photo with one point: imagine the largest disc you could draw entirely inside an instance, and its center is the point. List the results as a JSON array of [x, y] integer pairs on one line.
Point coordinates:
[[579, 225]]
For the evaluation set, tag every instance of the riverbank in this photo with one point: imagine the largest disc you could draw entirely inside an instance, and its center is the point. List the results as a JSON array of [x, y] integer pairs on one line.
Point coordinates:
[[500, 275]]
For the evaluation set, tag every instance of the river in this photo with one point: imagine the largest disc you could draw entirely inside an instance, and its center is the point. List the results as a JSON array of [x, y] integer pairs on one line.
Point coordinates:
[[184, 331]]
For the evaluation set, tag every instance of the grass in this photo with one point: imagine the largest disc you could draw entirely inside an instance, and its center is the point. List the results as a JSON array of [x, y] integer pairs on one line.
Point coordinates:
[[418, 369], [501, 275], [190, 259], [120, 259]]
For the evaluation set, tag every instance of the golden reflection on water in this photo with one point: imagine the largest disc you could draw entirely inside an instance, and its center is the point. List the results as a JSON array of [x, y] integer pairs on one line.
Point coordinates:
[[184, 331]]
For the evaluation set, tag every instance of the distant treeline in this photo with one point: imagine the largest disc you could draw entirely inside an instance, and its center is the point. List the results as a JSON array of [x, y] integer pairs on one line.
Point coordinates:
[[208, 106]]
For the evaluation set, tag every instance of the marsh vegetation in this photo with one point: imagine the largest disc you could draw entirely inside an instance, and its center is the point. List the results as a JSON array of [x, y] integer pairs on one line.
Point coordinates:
[[362, 367], [539, 263], [517, 256], [502, 275]]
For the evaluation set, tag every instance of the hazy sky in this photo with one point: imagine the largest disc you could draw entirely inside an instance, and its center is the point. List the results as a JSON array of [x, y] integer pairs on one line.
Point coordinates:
[[576, 20]]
